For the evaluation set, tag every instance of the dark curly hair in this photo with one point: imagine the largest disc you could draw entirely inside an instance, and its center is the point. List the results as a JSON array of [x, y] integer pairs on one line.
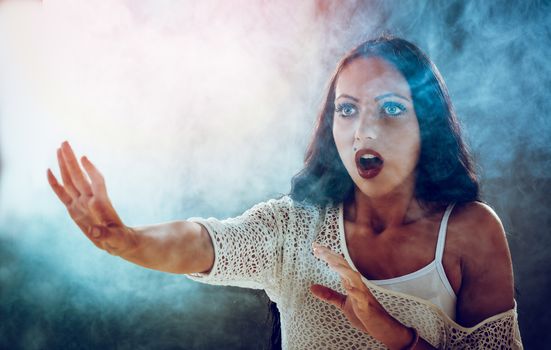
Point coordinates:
[[445, 170]]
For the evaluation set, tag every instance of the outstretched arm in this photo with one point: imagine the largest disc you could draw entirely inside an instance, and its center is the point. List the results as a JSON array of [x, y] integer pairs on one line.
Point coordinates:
[[177, 247]]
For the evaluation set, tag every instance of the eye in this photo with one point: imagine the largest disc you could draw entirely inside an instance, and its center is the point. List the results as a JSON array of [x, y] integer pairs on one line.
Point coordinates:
[[393, 108], [345, 109]]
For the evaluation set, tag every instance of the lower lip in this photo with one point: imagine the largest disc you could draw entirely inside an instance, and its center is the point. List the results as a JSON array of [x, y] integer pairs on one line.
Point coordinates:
[[368, 174]]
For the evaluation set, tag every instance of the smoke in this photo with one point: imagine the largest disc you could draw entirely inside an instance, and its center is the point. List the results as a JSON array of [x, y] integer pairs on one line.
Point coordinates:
[[205, 108]]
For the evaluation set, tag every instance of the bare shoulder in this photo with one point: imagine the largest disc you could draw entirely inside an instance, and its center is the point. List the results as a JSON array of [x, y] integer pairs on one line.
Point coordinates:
[[487, 285], [478, 226]]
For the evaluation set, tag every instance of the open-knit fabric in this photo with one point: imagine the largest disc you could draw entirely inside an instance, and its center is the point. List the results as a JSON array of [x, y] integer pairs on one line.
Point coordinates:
[[269, 247]]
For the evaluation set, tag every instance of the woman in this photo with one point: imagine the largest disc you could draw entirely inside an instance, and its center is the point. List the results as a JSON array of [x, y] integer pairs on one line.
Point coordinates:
[[386, 179]]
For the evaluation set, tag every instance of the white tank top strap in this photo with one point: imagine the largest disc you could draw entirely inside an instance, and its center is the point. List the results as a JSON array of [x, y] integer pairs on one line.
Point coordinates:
[[442, 234]]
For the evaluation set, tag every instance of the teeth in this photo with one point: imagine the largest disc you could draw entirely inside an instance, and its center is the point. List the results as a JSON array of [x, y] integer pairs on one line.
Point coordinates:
[[368, 156]]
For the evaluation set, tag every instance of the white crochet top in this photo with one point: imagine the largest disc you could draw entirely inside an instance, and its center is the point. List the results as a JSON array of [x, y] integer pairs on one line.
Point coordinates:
[[270, 247]]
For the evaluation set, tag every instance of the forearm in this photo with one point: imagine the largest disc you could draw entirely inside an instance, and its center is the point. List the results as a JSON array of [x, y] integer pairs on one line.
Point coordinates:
[[176, 247]]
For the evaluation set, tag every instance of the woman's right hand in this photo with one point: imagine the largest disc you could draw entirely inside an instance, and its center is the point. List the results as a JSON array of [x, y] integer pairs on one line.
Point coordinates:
[[88, 204]]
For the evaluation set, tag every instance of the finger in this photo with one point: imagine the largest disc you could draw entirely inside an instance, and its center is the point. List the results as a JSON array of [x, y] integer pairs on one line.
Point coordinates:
[[75, 171], [101, 206], [95, 232], [352, 277], [58, 189], [328, 295], [65, 176], [361, 296], [328, 255], [98, 182], [338, 264], [337, 261], [99, 235], [356, 294], [95, 236], [341, 266], [331, 259]]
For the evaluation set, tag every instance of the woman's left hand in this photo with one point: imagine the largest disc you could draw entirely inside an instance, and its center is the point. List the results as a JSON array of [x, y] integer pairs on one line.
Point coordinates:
[[358, 305]]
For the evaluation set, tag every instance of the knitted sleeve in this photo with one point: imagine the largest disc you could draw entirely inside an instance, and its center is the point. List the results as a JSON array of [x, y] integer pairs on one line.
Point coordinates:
[[247, 248], [500, 331]]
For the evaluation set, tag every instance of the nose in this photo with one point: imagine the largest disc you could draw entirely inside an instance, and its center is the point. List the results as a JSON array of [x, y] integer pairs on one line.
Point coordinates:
[[367, 127]]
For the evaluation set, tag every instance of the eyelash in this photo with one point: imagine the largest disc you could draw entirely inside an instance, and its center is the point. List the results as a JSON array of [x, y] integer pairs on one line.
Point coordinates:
[[402, 109]]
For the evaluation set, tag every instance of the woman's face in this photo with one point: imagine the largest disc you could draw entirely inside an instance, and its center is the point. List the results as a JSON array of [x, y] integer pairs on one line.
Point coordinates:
[[374, 112]]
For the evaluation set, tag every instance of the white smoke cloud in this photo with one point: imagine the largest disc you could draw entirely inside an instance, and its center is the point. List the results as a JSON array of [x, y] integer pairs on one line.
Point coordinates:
[[202, 108]]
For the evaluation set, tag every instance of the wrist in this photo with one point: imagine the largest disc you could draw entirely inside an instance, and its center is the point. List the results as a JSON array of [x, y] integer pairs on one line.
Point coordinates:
[[132, 243], [413, 340], [406, 339]]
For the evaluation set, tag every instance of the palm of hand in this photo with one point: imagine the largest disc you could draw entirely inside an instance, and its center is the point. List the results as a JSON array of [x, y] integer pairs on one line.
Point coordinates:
[[353, 312], [88, 204], [359, 306]]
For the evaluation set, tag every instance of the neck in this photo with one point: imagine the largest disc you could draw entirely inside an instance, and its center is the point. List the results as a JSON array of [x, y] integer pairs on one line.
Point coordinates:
[[392, 210]]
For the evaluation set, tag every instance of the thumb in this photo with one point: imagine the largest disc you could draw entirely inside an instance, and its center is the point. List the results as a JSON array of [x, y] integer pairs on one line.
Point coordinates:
[[97, 232], [100, 237], [328, 295]]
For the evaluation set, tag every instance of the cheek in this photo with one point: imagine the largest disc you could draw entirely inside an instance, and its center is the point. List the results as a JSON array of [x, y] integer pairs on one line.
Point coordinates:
[[344, 143], [341, 137], [343, 131], [409, 146]]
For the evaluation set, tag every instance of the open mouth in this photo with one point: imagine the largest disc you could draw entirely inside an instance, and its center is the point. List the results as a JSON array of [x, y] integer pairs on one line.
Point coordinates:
[[369, 163]]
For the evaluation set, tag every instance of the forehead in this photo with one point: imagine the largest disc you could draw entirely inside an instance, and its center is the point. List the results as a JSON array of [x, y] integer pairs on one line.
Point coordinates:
[[369, 76]]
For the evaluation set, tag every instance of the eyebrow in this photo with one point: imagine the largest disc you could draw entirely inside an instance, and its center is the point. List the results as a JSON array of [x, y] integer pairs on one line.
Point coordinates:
[[376, 98], [347, 96], [391, 94]]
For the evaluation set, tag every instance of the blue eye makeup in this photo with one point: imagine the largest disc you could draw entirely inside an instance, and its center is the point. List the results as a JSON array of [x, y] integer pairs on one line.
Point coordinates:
[[345, 109], [393, 108], [389, 108]]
